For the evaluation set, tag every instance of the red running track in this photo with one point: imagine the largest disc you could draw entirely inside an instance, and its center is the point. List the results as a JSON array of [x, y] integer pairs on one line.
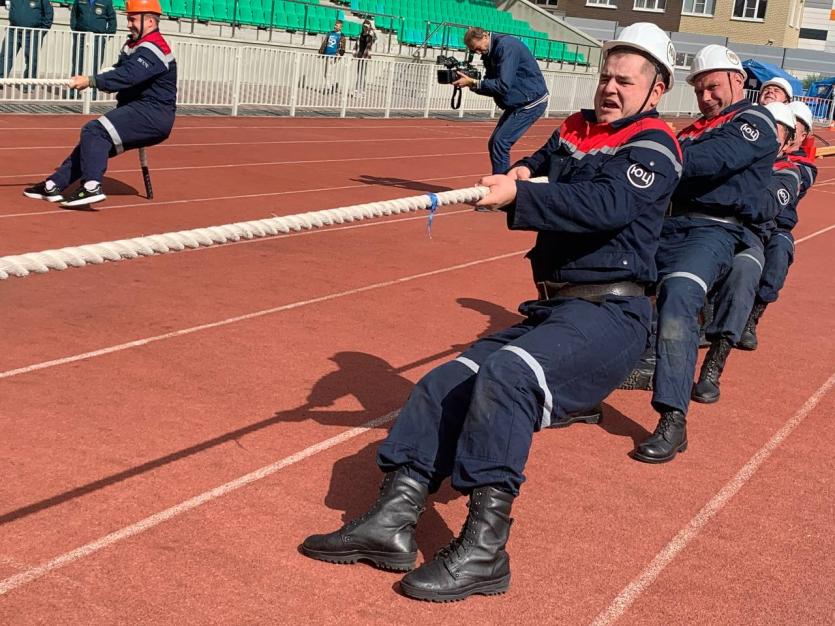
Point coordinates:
[[175, 425]]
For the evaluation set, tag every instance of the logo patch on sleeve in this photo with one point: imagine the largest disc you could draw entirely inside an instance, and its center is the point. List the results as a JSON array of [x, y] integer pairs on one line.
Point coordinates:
[[639, 177], [783, 196], [749, 132], [143, 62]]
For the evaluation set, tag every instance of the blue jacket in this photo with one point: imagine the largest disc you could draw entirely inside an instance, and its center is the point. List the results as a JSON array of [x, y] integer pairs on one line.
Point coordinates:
[[145, 73], [599, 217], [780, 202], [30, 13], [93, 17], [511, 74], [727, 164], [808, 170]]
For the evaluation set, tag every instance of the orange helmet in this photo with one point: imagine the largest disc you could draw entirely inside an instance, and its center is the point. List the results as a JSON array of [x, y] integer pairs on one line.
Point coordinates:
[[143, 6]]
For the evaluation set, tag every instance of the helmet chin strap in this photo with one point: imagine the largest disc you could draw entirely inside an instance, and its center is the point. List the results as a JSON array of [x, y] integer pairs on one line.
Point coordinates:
[[649, 93]]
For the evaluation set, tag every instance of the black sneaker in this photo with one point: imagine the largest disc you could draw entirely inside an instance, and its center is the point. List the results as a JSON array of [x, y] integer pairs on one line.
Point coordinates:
[[40, 192], [83, 196]]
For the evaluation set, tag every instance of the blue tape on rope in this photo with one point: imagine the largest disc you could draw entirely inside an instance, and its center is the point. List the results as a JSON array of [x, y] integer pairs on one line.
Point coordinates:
[[433, 208]]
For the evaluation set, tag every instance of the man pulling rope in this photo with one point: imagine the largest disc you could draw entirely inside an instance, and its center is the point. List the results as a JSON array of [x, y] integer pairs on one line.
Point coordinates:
[[145, 81]]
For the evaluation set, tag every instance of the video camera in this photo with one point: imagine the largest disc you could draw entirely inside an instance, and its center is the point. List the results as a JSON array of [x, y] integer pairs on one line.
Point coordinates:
[[453, 66]]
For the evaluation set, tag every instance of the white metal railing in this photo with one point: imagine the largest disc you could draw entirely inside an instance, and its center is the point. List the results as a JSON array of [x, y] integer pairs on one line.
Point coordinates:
[[236, 75]]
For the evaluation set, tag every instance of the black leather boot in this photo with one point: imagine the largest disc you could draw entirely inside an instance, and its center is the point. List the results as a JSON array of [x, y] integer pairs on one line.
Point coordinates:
[[641, 376], [707, 318], [385, 535], [589, 416], [669, 438], [706, 390], [748, 341], [476, 561]]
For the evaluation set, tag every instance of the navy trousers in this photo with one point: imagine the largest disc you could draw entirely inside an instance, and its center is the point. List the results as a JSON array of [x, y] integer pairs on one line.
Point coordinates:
[[126, 127], [512, 125], [734, 296], [779, 255], [473, 418], [692, 256]]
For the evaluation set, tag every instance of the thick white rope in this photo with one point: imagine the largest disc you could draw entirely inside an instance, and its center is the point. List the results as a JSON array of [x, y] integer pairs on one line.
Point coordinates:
[[63, 82], [41, 262]]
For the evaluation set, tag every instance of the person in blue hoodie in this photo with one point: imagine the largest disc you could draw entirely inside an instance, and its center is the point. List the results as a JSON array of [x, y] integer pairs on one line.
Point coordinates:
[[25, 14], [513, 78]]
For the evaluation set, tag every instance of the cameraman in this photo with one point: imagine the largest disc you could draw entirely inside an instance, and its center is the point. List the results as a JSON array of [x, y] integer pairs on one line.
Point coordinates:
[[513, 78]]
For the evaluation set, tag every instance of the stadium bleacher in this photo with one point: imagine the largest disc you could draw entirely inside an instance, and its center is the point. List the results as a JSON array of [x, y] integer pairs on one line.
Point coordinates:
[[439, 23]]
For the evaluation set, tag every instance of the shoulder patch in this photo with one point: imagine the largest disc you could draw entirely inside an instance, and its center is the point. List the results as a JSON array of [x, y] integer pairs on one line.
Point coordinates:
[[639, 177], [749, 132], [783, 197]]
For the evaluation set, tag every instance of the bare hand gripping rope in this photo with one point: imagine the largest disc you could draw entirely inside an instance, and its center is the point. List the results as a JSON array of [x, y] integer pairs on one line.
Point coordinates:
[[64, 82], [64, 258]]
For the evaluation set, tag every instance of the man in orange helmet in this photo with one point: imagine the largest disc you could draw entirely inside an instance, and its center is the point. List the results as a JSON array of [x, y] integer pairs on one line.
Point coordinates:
[[145, 82]]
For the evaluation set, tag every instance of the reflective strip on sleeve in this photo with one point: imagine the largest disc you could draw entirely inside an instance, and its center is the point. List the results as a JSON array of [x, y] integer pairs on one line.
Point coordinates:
[[752, 257], [787, 237], [686, 275], [658, 147], [539, 373], [114, 134], [469, 363], [766, 119], [164, 58]]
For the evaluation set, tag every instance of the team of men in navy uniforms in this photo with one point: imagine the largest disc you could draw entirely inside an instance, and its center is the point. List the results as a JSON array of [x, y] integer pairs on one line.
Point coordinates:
[[611, 172], [145, 80]]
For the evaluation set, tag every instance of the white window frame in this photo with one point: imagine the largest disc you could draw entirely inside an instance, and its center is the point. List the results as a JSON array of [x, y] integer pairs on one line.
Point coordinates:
[[743, 18], [647, 9], [602, 4], [705, 13], [685, 65]]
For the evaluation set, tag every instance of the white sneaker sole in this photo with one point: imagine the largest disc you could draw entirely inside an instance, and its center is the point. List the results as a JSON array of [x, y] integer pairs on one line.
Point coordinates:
[[85, 201], [37, 196]]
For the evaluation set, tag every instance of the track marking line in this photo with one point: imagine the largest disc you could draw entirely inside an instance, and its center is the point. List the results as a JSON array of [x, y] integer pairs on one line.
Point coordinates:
[[33, 573], [446, 137], [814, 234], [247, 316], [178, 127], [633, 590], [240, 197], [268, 163]]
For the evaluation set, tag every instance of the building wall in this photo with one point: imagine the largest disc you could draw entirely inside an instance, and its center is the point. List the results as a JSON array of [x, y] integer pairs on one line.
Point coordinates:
[[781, 25], [818, 27], [624, 13]]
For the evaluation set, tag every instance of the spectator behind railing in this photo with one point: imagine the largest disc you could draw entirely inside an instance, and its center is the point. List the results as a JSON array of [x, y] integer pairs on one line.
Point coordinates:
[[25, 14]]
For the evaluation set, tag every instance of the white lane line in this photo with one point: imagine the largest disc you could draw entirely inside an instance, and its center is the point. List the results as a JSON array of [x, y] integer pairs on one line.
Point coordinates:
[[33, 573], [247, 316], [179, 127], [814, 234], [167, 144], [368, 185], [633, 590], [266, 163]]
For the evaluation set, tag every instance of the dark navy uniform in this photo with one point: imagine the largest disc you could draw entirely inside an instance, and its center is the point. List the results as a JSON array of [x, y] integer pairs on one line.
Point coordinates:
[[90, 16], [514, 80], [25, 14], [145, 77], [597, 222], [736, 293], [727, 169], [779, 251]]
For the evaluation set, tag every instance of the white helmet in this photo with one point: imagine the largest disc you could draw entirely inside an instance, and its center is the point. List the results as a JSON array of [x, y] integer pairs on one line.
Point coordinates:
[[782, 114], [782, 83], [650, 39], [802, 112], [714, 58]]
